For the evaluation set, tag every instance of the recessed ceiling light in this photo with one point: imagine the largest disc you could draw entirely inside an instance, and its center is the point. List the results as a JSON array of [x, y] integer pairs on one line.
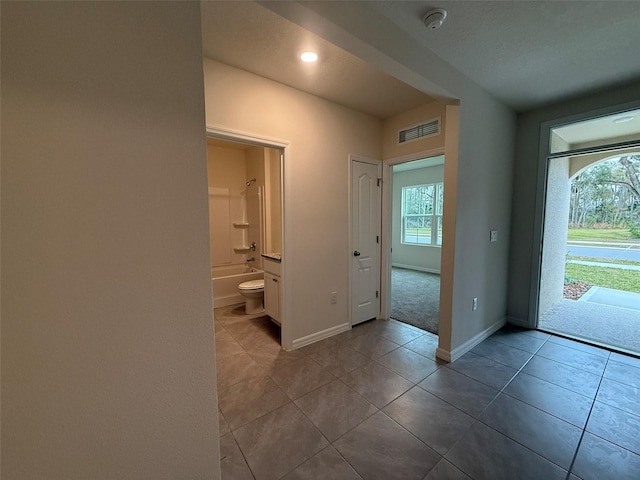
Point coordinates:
[[625, 119], [309, 57]]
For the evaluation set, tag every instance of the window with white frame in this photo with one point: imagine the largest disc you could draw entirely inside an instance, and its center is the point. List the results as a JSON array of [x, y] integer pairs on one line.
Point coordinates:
[[422, 214]]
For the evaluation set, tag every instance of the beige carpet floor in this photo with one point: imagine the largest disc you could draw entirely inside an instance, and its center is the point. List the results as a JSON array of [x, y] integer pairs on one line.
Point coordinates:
[[415, 298]]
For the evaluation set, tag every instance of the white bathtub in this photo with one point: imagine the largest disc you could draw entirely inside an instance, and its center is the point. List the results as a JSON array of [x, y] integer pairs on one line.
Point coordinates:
[[226, 280]]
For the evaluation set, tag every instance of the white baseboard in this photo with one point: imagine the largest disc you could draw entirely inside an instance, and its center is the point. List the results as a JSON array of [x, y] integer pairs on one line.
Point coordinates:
[[518, 322], [413, 267], [453, 355], [316, 337], [443, 354]]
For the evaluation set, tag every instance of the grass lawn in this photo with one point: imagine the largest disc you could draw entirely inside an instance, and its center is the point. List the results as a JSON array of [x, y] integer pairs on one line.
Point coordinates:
[[601, 235], [603, 260], [627, 280]]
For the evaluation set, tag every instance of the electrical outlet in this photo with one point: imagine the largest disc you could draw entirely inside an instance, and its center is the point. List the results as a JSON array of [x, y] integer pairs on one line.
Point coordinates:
[[493, 236], [334, 298], [474, 306]]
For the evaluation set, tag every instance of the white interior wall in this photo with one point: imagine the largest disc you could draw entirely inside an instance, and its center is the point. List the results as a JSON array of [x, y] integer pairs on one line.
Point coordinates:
[[255, 165], [321, 137], [273, 230], [226, 170], [226, 167], [108, 365], [420, 257]]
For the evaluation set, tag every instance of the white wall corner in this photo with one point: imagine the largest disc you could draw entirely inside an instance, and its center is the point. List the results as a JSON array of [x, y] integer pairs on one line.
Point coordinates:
[[443, 354], [518, 322], [317, 336], [453, 355]]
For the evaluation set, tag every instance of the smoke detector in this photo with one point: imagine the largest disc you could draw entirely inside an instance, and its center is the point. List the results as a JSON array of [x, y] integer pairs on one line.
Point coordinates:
[[434, 19]]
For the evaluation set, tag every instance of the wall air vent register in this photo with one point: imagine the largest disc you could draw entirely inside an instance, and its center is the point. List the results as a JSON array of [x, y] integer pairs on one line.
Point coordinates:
[[422, 130]]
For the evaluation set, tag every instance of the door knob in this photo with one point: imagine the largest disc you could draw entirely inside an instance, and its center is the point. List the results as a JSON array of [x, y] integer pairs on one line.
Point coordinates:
[[356, 253]]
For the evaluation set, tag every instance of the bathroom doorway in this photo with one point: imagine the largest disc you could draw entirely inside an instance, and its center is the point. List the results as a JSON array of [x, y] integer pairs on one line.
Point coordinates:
[[245, 191], [417, 200]]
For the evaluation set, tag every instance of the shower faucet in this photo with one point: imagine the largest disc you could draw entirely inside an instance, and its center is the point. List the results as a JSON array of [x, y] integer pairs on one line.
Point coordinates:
[[251, 259]]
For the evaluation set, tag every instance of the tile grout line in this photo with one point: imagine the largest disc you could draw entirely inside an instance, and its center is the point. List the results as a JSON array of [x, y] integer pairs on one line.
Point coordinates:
[[350, 388], [593, 400], [509, 382], [518, 370], [331, 444], [242, 453], [477, 419], [438, 367], [586, 423], [379, 410], [311, 421], [291, 401], [510, 346], [414, 384], [609, 348], [546, 358]]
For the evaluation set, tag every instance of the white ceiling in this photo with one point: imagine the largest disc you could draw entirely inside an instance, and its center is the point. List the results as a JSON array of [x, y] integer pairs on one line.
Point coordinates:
[[248, 36], [529, 53], [525, 53], [603, 129]]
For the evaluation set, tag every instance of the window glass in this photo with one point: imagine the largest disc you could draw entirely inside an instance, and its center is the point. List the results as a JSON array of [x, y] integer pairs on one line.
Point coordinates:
[[422, 214]]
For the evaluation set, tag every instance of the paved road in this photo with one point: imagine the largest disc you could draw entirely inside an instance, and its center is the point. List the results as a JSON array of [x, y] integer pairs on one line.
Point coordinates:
[[605, 252]]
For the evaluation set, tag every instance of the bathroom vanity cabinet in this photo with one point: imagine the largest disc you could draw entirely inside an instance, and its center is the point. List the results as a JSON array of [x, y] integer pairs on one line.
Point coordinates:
[[272, 294]]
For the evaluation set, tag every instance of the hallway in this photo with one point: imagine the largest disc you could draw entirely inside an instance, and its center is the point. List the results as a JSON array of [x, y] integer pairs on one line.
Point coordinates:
[[373, 403]]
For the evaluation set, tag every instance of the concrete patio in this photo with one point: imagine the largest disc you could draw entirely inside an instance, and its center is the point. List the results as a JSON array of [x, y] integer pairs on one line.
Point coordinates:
[[602, 316]]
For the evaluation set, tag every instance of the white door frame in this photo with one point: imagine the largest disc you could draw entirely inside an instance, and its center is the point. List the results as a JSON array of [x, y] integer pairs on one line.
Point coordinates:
[[387, 216], [349, 255], [285, 180], [544, 155]]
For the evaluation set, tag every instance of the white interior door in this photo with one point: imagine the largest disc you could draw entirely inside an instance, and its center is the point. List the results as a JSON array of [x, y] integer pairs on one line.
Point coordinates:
[[365, 244]]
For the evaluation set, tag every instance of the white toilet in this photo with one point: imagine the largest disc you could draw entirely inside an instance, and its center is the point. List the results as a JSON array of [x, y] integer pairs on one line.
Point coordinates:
[[253, 291]]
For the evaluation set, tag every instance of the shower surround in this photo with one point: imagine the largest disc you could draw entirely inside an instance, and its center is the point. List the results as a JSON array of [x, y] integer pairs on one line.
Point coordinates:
[[236, 222]]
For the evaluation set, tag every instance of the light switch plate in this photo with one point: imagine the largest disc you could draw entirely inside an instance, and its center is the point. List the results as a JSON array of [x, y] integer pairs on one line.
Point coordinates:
[[493, 236]]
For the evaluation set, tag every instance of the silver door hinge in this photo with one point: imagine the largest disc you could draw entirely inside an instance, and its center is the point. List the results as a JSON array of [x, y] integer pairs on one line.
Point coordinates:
[[376, 293], [379, 181], [377, 239]]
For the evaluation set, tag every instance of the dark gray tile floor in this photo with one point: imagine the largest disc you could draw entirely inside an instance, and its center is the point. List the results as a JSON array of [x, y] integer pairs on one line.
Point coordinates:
[[373, 403]]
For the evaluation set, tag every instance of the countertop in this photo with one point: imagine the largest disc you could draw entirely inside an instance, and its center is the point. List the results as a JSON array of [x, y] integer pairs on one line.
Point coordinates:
[[276, 257]]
